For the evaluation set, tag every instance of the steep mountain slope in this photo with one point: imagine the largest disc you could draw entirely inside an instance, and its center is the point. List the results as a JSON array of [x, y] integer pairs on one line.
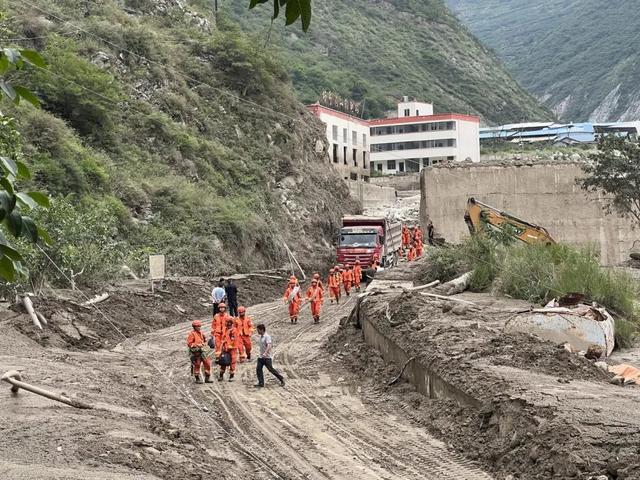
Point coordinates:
[[379, 50], [178, 134], [578, 56]]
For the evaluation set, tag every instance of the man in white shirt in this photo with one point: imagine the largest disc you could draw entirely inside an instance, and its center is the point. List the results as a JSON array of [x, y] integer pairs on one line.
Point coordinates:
[[266, 357], [218, 296]]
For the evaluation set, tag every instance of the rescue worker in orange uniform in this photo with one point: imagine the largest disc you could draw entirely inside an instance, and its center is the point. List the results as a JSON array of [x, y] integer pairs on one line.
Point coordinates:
[[419, 247], [406, 236], [293, 298], [375, 261], [314, 296], [196, 342], [418, 236], [316, 276], [411, 256], [334, 286], [357, 275], [219, 321], [245, 329], [229, 343], [347, 280]]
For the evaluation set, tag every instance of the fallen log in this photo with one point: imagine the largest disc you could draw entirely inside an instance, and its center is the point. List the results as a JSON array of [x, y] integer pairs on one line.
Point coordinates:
[[26, 301], [444, 297], [457, 285], [424, 287], [42, 318], [14, 378], [96, 299]]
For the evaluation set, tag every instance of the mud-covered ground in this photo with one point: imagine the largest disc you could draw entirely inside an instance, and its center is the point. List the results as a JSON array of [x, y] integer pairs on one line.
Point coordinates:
[[537, 411], [152, 422]]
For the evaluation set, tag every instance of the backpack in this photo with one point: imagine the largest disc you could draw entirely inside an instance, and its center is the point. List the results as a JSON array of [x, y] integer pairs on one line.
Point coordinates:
[[224, 360]]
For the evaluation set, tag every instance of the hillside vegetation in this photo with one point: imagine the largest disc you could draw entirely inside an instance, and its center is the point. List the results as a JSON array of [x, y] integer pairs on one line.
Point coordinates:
[[578, 56], [162, 132], [380, 50]]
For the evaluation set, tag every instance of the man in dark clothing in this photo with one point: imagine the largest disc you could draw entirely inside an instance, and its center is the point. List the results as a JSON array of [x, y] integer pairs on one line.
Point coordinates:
[[232, 297]]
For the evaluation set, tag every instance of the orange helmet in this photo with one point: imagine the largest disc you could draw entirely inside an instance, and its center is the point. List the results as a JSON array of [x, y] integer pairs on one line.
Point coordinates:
[[357, 261], [314, 282], [292, 278], [222, 305], [241, 310], [337, 267], [196, 324], [331, 270], [316, 275]]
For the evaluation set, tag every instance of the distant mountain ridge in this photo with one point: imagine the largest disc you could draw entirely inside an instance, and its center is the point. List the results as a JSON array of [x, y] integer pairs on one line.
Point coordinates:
[[380, 50], [579, 57]]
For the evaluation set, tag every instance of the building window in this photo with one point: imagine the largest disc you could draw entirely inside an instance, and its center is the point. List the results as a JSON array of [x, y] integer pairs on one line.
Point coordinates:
[[344, 135], [354, 137], [379, 167], [417, 113], [401, 166], [355, 157], [364, 140], [334, 129], [364, 159], [344, 155], [451, 158], [425, 162], [407, 112], [413, 128], [391, 164], [387, 147], [335, 153], [353, 176]]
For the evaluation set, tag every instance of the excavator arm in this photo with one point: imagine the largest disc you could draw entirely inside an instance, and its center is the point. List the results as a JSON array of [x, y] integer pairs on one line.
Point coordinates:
[[479, 216]]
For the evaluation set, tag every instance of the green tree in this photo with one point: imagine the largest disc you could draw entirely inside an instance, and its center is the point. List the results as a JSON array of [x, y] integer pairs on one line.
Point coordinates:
[[14, 203], [614, 170], [293, 9]]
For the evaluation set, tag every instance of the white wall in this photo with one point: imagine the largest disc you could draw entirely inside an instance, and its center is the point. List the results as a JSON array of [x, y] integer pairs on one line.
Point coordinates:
[[468, 141], [361, 128], [423, 108]]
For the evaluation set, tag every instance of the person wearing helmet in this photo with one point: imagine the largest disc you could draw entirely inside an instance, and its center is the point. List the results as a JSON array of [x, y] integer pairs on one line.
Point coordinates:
[[314, 296], [219, 321], [245, 329], [293, 298], [229, 343], [406, 236], [196, 342], [347, 280], [334, 286], [357, 275], [419, 247], [411, 256]]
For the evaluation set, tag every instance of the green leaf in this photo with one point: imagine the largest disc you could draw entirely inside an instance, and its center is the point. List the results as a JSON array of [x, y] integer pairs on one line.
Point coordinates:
[[33, 57], [29, 229], [26, 200], [305, 9], [23, 171], [4, 63], [7, 269], [11, 253], [8, 90], [44, 236], [13, 222], [40, 198], [5, 205], [12, 54], [292, 12], [27, 95], [7, 185], [9, 165]]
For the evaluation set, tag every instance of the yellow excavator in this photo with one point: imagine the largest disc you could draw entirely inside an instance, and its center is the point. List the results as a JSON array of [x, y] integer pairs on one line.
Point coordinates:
[[479, 217]]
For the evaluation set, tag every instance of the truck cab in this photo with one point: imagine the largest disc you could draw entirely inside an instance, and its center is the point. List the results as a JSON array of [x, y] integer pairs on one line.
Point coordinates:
[[363, 237]]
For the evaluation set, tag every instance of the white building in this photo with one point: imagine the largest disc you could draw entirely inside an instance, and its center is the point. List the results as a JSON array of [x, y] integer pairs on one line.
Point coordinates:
[[348, 138], [416, 138]]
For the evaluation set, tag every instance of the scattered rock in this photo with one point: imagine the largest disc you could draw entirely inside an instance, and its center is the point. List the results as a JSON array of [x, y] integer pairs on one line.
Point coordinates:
[[594, 352]]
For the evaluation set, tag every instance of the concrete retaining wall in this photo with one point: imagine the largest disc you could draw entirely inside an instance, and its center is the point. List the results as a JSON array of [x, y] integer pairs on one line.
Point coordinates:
[[426, 381], [371, 195], [543, 194], [399, 182]]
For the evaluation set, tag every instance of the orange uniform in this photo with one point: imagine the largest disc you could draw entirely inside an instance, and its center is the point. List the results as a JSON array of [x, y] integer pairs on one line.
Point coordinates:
[[347, 281], [196, 340], [357, 275], [375, 261], [314, 295], [294, 299], [406, 236], [419, 248], [418, 236], [334, 287], [218, 325], [411, 256], [244, 325], [229, 342]]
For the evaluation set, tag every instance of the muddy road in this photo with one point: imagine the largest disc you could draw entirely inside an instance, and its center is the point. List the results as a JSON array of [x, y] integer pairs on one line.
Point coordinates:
[[152, 421]]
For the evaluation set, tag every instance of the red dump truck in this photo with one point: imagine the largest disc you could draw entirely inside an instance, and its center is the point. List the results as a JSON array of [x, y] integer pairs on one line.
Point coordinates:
[[361, 237]]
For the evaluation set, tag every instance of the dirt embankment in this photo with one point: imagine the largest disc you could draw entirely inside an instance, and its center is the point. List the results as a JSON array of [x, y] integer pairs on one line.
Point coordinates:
[[536, 411], [131, 309]]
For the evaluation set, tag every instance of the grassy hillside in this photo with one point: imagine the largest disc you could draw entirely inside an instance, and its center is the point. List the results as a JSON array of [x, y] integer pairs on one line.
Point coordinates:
[[379, 50], [578, 56], [162, 132]]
